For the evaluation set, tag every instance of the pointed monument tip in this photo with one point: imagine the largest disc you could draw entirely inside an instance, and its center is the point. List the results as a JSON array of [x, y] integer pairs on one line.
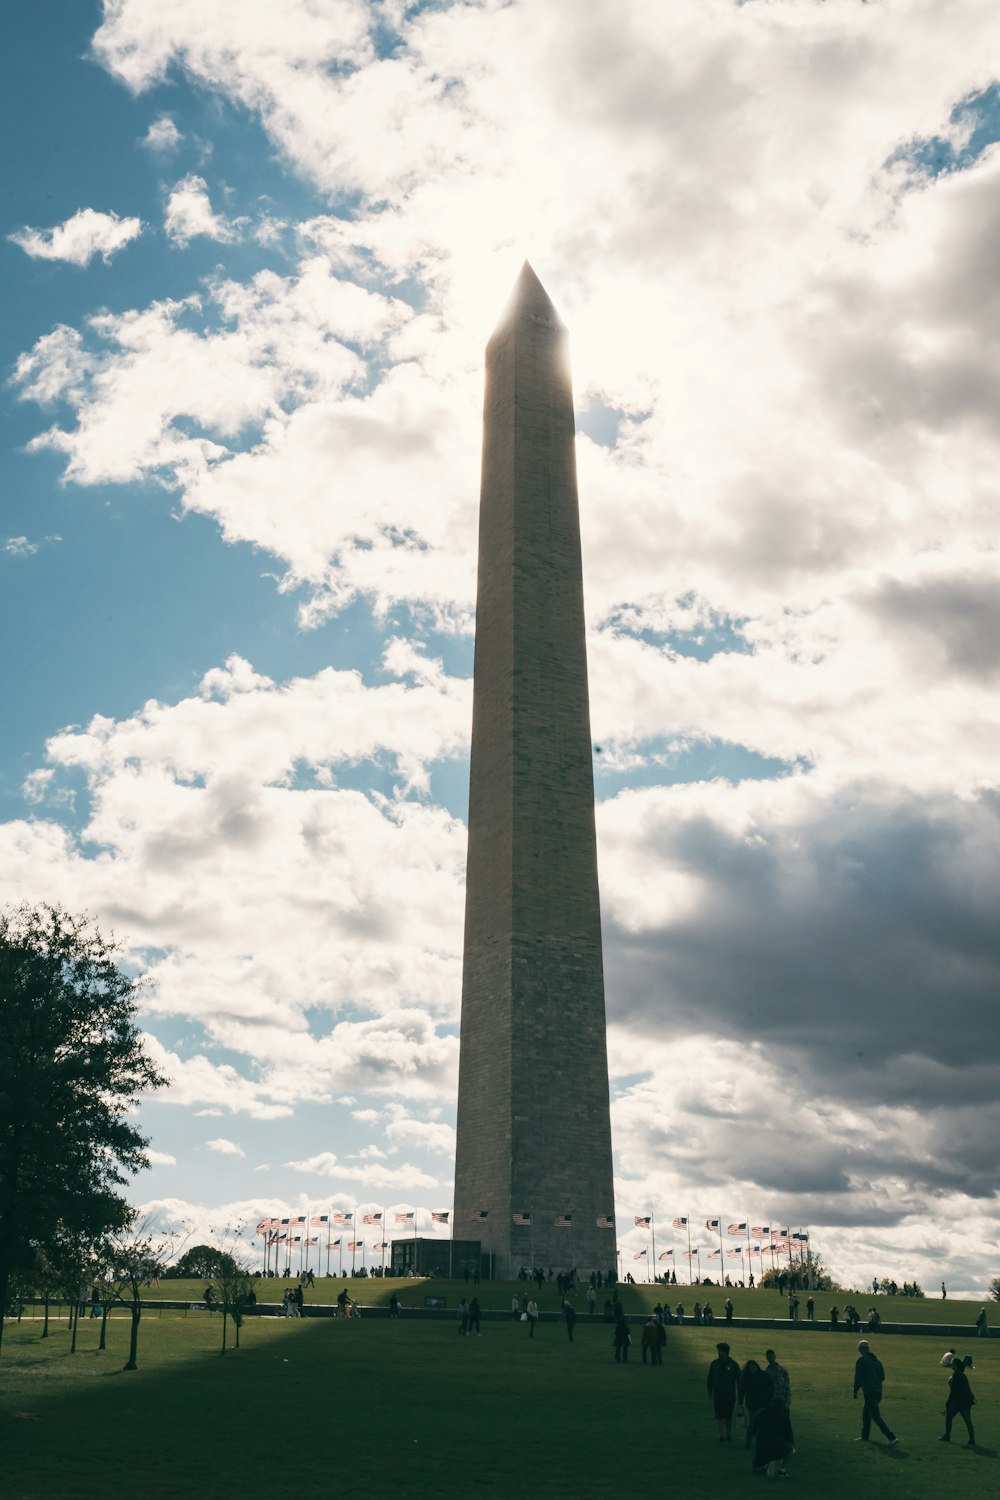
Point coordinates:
[[529, 299]]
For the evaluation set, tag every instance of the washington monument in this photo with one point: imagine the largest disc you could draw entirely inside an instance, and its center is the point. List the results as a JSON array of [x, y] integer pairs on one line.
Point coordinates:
[[534, 1129]]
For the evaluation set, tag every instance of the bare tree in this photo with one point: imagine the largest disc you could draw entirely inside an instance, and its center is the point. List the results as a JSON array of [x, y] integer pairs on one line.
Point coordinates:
[[133, 1257], [234, 1282]]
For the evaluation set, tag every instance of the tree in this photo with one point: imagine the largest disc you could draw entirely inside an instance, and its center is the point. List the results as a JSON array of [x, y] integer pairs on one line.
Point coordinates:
[[995, 1289], [202, 1260], [133, 1257], [233, 1284], [71, 1065]]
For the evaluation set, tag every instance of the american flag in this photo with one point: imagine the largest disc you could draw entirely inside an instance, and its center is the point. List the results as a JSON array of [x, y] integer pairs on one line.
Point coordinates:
[[382, 1245], [562, 1221], [278, 1239], [356, 1245], [333, 1245], [344, 1220], [643, 1221], [802, 1236], [441, 1218], [523, 1221], [736, 1229], [299, 1219], [319, 1221], [735, 1253], [405, 1218], [605, 1221], [783, 1234], [715, 1255], [312, 1239], [690, 1254], [761, 1231], [284, 1223], [712, 1224], [293, 1239], [640, 1255], [263, 1226], [480, 1216], [755, 1250], [681, 1221], [666, 1255], [372, 1218]]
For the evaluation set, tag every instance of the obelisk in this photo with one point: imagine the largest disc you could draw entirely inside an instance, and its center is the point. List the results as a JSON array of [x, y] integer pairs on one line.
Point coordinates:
[[534, 1128]]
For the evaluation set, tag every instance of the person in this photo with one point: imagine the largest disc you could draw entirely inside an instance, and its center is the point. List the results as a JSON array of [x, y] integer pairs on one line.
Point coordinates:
[[679, 1314], [394, 1306], [660, 1345], [754, 1393], [475, 1316], [621, 1340], [771, 1433], [944, 1292], [463, 1316], [811, 1309], [959, 1404], [532, 1310], [945, 1361], [569, 1314], [981, 1329], [834, 1318], [591, 1299], [515, 1308], [298, 1301], [208, 1297], [869, 1378], [729, 1310], [750, 1282], [781, 1384], [650, 1341], [95, 1303], [697, 1313], [723, 1385]]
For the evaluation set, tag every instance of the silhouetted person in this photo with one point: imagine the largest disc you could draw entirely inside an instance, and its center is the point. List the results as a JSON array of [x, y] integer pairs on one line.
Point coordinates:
[[621, 1341], [723, 1385], [869, 1378], [569, 1314], [771, 1434], [959, 1404]]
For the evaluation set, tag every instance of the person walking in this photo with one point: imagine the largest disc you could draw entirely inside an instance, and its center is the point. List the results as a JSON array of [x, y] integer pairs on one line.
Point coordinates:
[[531, 1309], [781, 1383], [463, 1316], [621, 1341], [869, 1379], [729, 1310], [475, 1315], [755, 1392], [569, 1315], [959, 1404], [394, 1306], [649, 1341], [723, 1385], [771, 1433], [982, 1331]]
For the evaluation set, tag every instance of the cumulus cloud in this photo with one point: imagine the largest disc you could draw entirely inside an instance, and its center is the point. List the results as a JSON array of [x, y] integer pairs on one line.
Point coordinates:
[[224, 1147], [82, 236], [162, 134], [20, 546], [189, 213], [325, 1164], [161, 1159]]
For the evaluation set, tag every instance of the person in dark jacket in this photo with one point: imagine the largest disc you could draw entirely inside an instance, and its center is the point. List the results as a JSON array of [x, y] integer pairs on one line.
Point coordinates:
[[959, 1404], [771, 1433], [569, 1316], [723, 1386], [621, 1341], [755, 1392], [869, 1378]]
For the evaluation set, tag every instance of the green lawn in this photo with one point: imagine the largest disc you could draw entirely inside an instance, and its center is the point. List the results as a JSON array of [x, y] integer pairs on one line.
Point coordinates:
[[329, 1407]]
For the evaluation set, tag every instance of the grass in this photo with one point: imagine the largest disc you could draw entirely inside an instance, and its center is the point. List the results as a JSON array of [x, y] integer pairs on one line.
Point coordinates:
[[327, 1406]]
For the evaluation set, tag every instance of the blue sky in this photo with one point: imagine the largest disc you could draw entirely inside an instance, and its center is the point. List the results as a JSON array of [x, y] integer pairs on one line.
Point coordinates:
[[248, 274]]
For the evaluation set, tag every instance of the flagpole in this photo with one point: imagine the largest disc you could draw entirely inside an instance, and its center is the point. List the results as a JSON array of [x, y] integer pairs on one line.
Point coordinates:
[[687, 1220], [652, 1232]]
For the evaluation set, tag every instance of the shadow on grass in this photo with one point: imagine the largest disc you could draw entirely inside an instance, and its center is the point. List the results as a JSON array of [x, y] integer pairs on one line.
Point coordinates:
[[410, 1404]]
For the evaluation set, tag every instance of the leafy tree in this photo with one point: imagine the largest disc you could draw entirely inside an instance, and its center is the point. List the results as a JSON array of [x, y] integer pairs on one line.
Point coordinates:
[[71, 1064], [202, 1260], [995, 1289]]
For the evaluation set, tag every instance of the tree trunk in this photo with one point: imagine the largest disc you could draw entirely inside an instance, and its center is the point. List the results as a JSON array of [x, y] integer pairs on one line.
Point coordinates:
[[104, 1325], [4, 1288], [224, 1311], [45, 1320], [134, 1337], [75, 1319]]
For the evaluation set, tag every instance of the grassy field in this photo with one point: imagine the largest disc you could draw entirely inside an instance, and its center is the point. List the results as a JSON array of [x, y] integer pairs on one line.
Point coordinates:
[[327, 1406]]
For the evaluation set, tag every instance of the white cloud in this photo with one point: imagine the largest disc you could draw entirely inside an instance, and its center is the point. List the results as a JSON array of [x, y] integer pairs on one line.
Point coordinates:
[[264, 1167], [161, 1159], [20, 546], [224, 1147], [189, 213], [162, 134], [325, 1164], [436, 1138], [82, 236]]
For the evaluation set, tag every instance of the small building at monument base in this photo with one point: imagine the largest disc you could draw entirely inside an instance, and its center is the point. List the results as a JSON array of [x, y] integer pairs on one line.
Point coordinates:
[[434, 1257]]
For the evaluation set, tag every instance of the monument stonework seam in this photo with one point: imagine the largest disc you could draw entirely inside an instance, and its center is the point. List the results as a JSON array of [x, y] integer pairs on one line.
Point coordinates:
[[534, 1126]]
